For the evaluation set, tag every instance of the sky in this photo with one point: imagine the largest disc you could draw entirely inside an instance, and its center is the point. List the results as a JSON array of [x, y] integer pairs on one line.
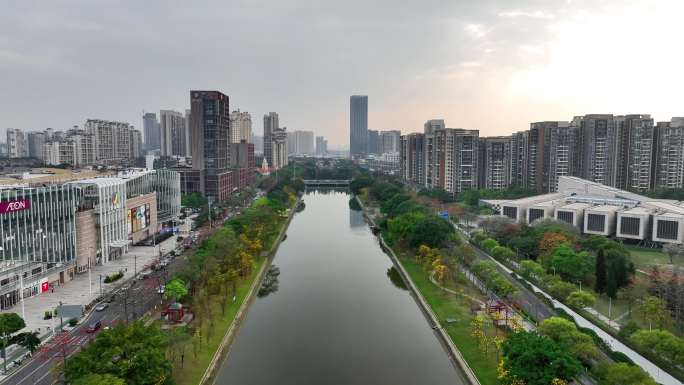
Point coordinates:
[[492, 65]]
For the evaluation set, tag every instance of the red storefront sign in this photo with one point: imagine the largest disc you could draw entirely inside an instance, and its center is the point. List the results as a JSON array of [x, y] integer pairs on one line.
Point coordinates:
[[45, 286], [16, 205]]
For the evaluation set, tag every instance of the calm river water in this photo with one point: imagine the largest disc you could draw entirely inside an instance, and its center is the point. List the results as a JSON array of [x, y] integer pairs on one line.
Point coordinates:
[[339, 316]]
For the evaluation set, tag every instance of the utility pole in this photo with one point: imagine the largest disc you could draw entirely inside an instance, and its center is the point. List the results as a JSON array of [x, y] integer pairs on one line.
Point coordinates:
[[135, 265], [100, 285]]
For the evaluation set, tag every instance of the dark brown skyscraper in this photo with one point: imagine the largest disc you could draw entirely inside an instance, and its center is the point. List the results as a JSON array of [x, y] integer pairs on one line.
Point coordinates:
[[209, 133]]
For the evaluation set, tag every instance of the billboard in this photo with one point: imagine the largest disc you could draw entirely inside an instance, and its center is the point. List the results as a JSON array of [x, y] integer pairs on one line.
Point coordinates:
[[15, 205], [138, 218]]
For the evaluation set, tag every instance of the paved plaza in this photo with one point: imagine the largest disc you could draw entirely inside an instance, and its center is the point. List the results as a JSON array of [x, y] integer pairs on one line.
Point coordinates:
[[85, 288]]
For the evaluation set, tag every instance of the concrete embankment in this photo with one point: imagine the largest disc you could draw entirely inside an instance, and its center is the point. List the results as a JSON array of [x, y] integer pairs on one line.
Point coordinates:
[[455, 354], [224, 348]]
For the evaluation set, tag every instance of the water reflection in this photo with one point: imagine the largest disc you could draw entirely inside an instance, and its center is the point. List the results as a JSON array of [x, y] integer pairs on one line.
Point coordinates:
[[270, 283], [395, 278]]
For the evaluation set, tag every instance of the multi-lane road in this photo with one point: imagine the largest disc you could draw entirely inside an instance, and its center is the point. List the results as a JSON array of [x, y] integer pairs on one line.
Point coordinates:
[[134, 299]]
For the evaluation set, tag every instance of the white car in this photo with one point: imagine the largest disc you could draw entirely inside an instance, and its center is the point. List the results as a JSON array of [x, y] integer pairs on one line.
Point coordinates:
[[160, 289], [102, 307]]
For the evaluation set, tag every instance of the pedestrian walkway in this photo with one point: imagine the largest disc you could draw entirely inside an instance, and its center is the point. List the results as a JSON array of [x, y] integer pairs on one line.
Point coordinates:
[[86, 287]]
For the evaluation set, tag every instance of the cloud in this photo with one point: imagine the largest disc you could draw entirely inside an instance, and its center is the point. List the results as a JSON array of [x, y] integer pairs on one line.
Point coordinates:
[[533, 14]]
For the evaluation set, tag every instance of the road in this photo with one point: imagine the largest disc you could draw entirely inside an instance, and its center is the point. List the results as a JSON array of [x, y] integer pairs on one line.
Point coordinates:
[[527, 300], [132, 301], [135, 298]]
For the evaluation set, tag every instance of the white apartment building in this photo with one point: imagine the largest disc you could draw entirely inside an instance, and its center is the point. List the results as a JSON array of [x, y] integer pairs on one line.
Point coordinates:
[[240, 126], [17, 146]]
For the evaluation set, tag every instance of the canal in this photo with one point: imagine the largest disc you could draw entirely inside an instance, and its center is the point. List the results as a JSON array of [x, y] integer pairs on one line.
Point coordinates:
[[340, 315]]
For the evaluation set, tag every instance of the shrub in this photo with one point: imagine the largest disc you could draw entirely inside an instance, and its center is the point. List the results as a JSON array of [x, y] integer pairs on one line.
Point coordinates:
[[47, 314], [561, 290], [580, 299], [73, 321], [114, 277], [489, 244], [628, 329]]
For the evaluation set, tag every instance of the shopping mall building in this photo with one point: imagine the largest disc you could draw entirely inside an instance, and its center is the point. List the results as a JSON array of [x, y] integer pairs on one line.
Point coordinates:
[[49, 233]]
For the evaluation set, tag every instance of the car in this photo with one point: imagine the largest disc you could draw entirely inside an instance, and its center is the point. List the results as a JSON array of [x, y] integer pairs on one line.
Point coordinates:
[[145, 274], [94, 326], [102, 307], [160, 289]]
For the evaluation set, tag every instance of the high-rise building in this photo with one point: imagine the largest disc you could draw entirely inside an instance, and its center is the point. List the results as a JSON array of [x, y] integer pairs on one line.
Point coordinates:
[[187, 133], [599, 149], [519, 158], [373, 142], [434, 124], [358, 125], [455, 155], [300, 142], [17, 147], [209, 136], [411, 160], [136, 143], [321, 146], [271, 124], [389, 141], [495, 162], [240, 126], [279, 148], [35, 144], [151, 131], [112, 140], [258, 142], [173, 137], [634, 168], [669, 156]]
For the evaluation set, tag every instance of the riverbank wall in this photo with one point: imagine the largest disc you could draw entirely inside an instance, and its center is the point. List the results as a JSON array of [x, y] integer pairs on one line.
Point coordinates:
[[224, 348], [454, 354]]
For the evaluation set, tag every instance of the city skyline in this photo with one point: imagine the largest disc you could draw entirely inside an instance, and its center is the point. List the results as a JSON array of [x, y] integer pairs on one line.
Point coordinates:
[[527, 61]]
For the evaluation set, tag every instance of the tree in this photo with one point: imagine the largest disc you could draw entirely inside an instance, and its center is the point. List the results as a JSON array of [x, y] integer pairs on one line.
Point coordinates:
[[571, 264], [538, 360], [30, 342], [653, 311], [549, 242], [622, 374], [580, 299], [97, 379], [561, 290], [175, 289], [135, 353], [489, 244], [194, 200], [662, 343], [531, 270], [673, 250], [600, 273], [466, 254], [566, 333], [9, 323]]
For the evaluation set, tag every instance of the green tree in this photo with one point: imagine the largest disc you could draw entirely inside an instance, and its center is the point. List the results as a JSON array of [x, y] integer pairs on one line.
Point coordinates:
[[194, 200], [30, 342], [98, 379], [565, 332], [489, 244], [580, 299], [571, 264], [600, 273], [673, 250], [538, 360], [622, 374], [653, 311], [561, 290], [531, 270], [175, 289], [9, 323], [135, 353]]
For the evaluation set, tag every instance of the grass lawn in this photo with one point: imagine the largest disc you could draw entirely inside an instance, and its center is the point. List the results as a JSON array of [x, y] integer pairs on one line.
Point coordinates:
[[194, 367], [446, 305], [644, 258], [618, 308]]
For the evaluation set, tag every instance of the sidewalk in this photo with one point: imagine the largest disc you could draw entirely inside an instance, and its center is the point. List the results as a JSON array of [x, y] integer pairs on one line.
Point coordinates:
[[81, 291]]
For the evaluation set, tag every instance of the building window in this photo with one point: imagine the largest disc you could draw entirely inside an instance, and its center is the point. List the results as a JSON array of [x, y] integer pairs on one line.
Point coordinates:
[[629, 225], [596, 222], [667, 229], [565, 216], [511, 212], [535, 214]]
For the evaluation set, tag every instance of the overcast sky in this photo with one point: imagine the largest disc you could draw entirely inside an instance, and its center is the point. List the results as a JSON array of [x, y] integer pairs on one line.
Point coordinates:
[[493, 65]]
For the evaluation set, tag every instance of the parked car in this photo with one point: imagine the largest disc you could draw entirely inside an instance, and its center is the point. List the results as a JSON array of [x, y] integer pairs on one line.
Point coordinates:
[[94, 326], [160, 289], [102, 307], [145, 274]]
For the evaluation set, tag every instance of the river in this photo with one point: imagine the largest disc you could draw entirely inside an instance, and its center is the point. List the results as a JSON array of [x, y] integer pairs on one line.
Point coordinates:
[[340, 314]]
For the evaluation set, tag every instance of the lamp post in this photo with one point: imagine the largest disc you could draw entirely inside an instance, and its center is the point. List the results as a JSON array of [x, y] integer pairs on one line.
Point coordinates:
[[100, 285]]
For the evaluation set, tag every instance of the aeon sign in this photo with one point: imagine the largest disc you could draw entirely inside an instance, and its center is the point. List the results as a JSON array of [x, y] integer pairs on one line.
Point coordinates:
[[12, 206]]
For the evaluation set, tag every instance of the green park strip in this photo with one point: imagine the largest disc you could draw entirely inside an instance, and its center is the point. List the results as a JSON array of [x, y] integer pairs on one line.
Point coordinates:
[[450, 306], [194, 367]]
